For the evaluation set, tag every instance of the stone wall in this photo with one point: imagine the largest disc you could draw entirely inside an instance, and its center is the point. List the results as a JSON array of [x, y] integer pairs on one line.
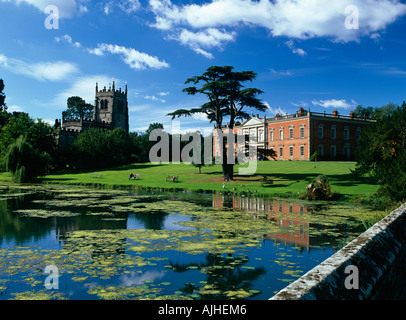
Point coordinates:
[[375, 261]]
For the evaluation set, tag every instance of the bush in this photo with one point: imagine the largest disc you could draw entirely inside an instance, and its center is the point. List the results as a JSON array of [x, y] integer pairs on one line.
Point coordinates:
[[319, 189], [314, 156]]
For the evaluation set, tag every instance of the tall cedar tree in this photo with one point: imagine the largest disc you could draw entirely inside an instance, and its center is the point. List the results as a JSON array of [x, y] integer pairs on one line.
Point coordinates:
[[227, 98]]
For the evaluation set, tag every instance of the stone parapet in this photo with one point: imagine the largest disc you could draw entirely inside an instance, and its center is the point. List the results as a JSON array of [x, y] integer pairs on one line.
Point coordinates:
[[375, 260]]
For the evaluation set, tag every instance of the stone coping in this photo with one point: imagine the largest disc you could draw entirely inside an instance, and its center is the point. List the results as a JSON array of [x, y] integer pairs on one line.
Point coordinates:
[[372, 254]]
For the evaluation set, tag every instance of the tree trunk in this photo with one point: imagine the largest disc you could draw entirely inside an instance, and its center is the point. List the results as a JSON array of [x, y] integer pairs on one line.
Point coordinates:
[[230, 172], [228, 169]]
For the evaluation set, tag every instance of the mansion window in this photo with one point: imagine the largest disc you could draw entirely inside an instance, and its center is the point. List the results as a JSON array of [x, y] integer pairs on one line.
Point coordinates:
[[260, 136], [321, 150], [333, 150], [333, 132], [346, 133], [347, 150], [281, 152], [290, 133], [281, 134], [302, 151], [358, 134], [290, 151], [302, 132], [271, 135], [321, 131]]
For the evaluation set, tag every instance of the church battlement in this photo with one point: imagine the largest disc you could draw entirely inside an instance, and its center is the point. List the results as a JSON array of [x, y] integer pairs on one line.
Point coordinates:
[[63, 130], [111, 90], [85, 120], [106, 91]]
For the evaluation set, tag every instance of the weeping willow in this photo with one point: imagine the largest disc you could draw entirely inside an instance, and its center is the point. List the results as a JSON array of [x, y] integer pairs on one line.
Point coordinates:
[[25, 162]]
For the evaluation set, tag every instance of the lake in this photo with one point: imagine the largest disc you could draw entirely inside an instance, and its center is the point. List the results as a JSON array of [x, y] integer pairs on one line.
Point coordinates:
[[127, 244]]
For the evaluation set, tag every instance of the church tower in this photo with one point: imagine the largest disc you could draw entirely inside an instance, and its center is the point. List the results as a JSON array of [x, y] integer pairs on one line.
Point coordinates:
[[111, 106]]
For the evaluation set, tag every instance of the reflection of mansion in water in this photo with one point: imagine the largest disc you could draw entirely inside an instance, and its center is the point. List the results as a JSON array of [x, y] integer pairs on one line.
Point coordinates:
[[297, 228]]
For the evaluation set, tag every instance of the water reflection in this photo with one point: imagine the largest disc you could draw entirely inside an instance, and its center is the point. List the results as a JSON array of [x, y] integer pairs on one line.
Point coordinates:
[[291, 217], [251, 270], [293, 220]]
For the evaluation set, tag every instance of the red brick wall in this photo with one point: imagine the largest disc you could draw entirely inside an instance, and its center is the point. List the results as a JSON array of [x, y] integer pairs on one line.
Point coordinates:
[[339, 140], [311, 141], [286, 143]]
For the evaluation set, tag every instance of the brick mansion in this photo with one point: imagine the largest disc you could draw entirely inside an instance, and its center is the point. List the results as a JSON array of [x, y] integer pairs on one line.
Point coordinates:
[[298, 136]]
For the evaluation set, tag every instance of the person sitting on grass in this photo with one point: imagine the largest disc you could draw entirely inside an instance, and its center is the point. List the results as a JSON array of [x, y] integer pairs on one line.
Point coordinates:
[[132, 176]]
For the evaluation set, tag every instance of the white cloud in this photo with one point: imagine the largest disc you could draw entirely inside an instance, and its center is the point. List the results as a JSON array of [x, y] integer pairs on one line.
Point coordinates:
[[66, 8], [334, 103], [275, 110], [106, 9], [154, 98], [280, 73], [289, 18], [70, 8], [14, 108], [83, 9], [127, 6], [208, 38], [42, 71], [157, 97], [68, 39], [83, 87], [295, 50], [301, 104], [135, 59]]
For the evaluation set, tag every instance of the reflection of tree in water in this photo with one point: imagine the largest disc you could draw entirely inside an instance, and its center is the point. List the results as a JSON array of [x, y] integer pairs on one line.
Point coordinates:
[[20, 230], [151, 220], [223, 274]]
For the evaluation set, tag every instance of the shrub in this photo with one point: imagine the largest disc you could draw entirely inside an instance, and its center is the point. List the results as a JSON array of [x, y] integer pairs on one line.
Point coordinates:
[[319, 189], [314, 156]]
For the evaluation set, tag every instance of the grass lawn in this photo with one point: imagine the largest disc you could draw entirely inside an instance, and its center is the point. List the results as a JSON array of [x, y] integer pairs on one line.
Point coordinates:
[[289, 177]]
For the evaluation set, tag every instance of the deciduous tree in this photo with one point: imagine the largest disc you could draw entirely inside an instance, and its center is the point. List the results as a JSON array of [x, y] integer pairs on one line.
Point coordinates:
[[78, 108], [383, 153]]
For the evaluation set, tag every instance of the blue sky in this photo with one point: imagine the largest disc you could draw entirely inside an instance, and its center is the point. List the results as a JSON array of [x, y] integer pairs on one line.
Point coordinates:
[[302, 51]]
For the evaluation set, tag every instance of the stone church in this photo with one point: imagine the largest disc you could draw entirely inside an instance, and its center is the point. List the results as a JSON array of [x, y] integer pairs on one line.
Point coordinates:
[[110, 111]]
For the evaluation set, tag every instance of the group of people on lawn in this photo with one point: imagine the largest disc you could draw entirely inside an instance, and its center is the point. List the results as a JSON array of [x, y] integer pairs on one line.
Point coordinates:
[[133, 176], [136, 176]]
